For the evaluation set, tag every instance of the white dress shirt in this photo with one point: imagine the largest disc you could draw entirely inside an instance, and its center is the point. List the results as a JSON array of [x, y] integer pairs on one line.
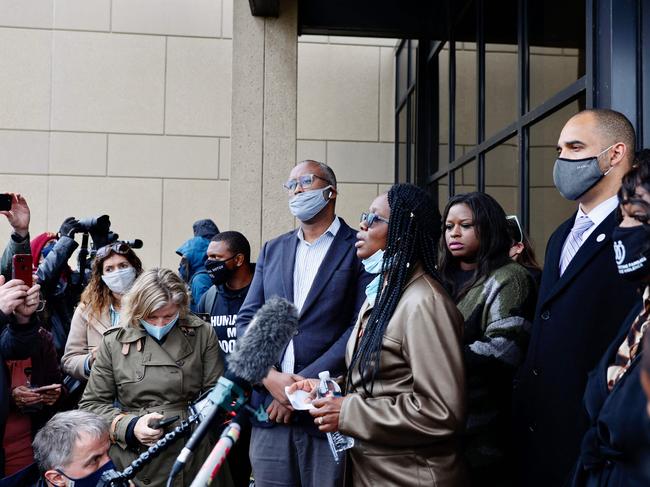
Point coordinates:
[[596, 215], [309, 257]]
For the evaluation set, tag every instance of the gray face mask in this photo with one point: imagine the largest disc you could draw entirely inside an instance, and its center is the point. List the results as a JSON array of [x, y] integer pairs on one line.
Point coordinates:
[[306, 205], [574, 177]]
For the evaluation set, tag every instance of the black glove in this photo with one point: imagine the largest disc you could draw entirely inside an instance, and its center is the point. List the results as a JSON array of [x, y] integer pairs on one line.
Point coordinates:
[[69, 227]]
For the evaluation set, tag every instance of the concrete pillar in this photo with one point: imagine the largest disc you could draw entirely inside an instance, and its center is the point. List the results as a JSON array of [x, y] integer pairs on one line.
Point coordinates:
[[263, 138]]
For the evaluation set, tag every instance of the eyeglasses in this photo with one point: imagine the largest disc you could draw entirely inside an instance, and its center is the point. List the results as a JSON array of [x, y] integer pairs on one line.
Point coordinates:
[[117, 247], [305, 181], [515, 220], [370, 218]]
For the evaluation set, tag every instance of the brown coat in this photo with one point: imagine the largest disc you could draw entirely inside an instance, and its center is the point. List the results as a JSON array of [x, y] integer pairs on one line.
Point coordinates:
[[408, 432], [85, 331], [144, 376]]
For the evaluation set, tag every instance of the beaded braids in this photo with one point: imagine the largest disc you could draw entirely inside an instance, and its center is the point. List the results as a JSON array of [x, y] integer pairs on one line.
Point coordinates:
[[413, 233]]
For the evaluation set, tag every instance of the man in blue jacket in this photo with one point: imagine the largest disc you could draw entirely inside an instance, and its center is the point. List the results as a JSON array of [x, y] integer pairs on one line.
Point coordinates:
[[317, 269]]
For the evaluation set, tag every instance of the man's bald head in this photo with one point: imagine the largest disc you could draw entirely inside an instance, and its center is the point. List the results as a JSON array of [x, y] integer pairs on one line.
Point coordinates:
[[612, 126], [322, 170]]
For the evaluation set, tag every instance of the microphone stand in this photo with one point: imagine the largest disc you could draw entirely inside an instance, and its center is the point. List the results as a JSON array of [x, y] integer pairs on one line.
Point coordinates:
[[225, 395], [227, 440], [112, 478]]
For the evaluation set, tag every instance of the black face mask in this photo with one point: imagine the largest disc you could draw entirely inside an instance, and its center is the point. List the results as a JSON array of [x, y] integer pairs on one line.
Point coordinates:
[[632, 252], [218, 271]]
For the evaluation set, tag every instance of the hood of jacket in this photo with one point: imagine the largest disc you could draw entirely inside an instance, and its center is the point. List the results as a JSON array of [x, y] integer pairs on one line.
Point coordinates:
[[205, 228], [194, 251]]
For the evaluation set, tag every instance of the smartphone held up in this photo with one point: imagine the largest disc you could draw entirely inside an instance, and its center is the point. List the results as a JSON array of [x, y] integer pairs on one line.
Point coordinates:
[[23, 268], [5, 202]]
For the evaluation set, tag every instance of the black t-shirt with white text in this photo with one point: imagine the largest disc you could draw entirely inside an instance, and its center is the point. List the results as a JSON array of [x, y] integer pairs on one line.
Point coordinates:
[[224, 313]]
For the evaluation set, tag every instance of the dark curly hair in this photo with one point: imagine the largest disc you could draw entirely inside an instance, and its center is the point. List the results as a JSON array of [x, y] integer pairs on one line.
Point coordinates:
[[639, 175], [492, 233]]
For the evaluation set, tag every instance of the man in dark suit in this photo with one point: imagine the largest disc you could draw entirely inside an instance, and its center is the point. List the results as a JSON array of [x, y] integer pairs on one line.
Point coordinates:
[[582, 300], [317, 269]]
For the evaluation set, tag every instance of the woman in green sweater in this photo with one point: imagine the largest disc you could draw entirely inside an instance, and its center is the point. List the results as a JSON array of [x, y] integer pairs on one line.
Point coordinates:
[[496, 297]]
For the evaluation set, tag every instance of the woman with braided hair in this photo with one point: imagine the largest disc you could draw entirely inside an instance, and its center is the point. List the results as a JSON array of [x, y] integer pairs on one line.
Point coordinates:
[[497, 299], [405, 392]]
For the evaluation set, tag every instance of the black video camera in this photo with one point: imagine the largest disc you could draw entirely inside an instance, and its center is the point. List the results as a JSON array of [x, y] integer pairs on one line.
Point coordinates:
[[99, 229]]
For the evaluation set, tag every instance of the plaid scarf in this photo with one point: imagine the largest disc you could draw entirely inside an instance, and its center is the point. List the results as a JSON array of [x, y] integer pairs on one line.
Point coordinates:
[[631, 346]]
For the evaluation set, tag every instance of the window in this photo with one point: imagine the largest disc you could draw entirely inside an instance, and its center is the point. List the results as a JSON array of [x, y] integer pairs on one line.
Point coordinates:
[[502, 175], [406, 112], [489, 99]]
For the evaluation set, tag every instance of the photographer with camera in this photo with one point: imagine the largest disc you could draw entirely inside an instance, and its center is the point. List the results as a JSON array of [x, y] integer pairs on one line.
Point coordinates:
[[50, 254], [61, 287], [114, 269]]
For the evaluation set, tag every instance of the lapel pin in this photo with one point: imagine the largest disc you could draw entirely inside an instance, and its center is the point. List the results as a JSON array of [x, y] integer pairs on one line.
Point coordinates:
[[600, 237]]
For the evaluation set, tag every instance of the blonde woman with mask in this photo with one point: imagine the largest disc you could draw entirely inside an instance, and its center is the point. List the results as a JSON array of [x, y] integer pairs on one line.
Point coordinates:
[[158, 361]]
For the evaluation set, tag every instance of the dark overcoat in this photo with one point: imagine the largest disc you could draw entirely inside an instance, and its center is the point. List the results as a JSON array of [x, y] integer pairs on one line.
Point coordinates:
[[615, 450], [577, 317]]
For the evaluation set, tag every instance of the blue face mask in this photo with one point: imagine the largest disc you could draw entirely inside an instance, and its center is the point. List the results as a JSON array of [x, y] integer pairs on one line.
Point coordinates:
[[306, 205], [90, 480], [158, 332], [373, 264], [372, 289]]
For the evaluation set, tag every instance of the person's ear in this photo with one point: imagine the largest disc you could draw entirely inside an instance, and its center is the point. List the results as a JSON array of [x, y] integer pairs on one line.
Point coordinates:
[[331, 194], [618, 152], [55, 478], [239, 260], [515, 250]]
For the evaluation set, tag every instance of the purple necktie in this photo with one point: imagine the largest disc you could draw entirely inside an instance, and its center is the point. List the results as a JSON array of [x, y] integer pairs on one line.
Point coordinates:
[[573, 241]]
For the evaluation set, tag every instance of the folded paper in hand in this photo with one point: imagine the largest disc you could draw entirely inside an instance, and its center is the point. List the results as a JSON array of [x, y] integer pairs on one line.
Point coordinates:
[[300, 400]]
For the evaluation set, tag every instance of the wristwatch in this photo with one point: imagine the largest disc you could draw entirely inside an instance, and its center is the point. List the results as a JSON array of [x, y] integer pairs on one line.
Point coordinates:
[[17, 238]]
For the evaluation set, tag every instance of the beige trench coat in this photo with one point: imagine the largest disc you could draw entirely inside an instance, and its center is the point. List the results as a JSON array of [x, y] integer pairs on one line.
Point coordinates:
[[408, 432], [85, 332], [143, 377]]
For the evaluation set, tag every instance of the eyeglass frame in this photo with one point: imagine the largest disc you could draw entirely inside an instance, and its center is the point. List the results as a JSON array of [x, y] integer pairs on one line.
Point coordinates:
[[373, 218], [287, 184], [521, 230], [121, 248]]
